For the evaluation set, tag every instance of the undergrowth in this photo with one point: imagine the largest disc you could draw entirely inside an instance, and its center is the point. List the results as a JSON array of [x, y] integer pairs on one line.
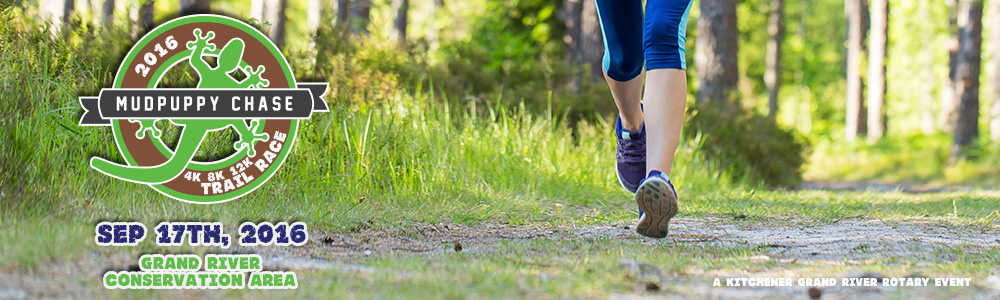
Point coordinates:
[[387, 152]]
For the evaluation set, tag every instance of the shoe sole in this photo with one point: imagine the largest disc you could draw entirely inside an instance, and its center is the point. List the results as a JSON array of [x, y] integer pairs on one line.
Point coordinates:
[[659, 205]]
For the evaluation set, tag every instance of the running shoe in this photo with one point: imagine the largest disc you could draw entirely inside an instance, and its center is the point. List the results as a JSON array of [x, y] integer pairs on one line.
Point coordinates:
[[631, 156], [657, 202]]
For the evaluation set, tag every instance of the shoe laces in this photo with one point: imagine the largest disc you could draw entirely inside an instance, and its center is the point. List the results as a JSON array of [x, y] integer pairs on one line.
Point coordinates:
[[632, 151]]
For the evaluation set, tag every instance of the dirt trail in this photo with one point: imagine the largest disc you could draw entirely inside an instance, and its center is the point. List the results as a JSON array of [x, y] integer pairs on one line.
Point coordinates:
[[849, 241], [879, 187], [853, 239], [844, 242]]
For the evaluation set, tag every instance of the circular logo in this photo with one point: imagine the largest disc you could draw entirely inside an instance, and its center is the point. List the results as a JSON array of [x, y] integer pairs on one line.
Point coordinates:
[[240, 76]]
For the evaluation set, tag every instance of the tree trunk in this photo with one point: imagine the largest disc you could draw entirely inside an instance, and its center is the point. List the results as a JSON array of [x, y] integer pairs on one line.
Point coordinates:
[[803, 117], [193, 7], [257, 10], [878, 42], [55, 12], [717, 44], [146, 13], [928, 102], [591, 48], [402, 8], [109, 13], [995, 82], [432, 31], [68, 7], [144, 19], [327, 32], [949, 101], [274, 12], [314, 16], [344, 15], [772, 77], [570, 14], [857, 28], [970, 22], [362, 12]]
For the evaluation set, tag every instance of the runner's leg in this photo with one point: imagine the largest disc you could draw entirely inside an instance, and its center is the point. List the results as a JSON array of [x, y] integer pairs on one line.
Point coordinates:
[[666, 80], [621, 23]]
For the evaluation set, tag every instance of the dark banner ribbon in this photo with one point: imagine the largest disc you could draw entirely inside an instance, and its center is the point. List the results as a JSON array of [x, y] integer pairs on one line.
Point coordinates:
[[297, 103]]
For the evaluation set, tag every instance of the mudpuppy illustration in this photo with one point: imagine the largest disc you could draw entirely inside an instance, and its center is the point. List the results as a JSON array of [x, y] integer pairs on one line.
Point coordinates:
[[195, 130]]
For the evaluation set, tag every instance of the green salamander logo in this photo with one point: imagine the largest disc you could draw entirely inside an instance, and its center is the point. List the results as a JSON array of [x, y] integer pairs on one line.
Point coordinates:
[[264, 109]]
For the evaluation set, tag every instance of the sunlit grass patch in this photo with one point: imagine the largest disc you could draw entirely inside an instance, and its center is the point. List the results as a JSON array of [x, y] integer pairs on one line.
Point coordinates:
[[919, 159]]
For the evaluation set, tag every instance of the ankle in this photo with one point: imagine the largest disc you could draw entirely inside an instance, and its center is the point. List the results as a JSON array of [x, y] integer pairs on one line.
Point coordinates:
[[658, 173], [631, 122]]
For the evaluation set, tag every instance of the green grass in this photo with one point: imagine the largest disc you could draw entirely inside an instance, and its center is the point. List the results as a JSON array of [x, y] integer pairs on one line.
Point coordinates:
[[415, 157], [592, 268], [63, 236], [920, 159]]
